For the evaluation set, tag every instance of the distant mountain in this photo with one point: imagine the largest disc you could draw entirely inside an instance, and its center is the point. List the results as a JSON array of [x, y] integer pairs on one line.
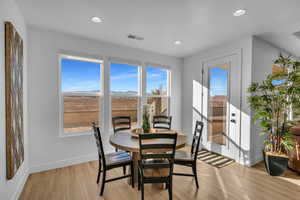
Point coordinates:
[[219, 98], [124, 92], [97, 91], [218, 101], [81, 91]]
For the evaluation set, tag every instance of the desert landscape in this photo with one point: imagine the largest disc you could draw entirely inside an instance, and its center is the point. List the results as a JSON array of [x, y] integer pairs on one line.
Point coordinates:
[[81, 111], [217, 119]]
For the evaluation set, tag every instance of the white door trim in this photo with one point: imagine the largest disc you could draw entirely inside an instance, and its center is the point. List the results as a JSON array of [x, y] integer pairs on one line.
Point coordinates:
[[238, 55]]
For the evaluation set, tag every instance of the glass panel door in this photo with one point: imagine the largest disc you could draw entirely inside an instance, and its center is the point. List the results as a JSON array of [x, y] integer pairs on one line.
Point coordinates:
[[221, 102], [217, 102]]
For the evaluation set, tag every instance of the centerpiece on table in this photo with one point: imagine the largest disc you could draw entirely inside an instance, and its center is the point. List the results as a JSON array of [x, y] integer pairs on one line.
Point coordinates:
[[145, 125], [272, 101]]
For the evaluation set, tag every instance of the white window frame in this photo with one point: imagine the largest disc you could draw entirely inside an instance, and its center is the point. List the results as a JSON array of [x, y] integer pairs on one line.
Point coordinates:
[[61, 94], [146, 95], [138, 95]]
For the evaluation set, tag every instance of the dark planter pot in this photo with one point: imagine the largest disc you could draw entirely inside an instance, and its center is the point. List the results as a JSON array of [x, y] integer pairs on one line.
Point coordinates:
[[275, 165]]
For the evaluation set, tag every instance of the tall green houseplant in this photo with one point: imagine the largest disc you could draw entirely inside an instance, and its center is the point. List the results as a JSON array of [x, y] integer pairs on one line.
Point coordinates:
[[272, 101]]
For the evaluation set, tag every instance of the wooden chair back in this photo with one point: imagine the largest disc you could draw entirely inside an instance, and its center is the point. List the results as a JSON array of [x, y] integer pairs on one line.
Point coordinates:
[[159, 147], [196, 139], [121, 123], [162, 122], [99, 143]]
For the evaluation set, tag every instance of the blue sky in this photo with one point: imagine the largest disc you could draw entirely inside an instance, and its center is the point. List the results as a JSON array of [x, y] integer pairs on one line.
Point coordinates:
[[218, 81], [84, 76], [278, 82], [77, 78], [123, 78], [156, 79]]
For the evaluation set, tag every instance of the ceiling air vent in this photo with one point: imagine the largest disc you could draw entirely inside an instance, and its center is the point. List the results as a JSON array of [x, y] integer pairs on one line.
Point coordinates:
[[135, 37], [297, 34]]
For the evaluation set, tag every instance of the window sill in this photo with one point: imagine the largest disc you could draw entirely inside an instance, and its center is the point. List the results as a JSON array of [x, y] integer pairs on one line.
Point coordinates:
[[66, 135]]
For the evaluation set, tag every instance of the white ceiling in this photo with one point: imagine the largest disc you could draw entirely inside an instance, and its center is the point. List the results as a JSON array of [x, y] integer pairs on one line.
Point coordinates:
[[199, 24]]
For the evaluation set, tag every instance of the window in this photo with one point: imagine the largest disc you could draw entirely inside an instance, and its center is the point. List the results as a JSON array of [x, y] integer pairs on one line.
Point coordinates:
[[294, 109], [124, 90], [218, 97], [80, 93], [157, 89], [128, 87], [157, 81]]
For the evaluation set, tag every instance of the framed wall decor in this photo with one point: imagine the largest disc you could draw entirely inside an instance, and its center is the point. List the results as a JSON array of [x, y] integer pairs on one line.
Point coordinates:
[[13, 100]]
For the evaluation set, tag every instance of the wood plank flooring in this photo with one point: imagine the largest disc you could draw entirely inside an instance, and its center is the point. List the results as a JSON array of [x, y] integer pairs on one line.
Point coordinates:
[[233, 182]]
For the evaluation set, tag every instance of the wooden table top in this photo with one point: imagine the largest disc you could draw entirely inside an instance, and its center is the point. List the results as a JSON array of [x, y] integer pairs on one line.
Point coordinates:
[[125, 141]]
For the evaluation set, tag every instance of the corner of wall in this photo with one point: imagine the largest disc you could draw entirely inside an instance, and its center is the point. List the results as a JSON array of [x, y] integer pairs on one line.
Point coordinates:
[[263, 56], [11, 189], [21, 185]]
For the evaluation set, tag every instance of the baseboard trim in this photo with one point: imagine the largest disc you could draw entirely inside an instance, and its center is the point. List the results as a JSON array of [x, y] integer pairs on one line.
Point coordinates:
[[20, 186], [63, 163], [256, 160]]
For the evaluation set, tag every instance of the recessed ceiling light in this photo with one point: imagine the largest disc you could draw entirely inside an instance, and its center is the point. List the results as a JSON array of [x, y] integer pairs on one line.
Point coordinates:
[[177, 42], [135, 37], [239, 12], [96, 19]]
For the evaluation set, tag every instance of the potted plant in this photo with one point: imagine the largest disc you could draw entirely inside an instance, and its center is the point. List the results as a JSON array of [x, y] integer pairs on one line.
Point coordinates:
[[146, 123], [272, 101]]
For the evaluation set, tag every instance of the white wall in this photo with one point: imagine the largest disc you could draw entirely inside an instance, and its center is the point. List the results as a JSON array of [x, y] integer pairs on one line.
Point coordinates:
[[264, 55], [11, 189], [257, 59], [47, 149], [192, 73]]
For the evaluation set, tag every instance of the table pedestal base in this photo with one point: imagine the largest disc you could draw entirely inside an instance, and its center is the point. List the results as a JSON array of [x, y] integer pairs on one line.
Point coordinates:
[[136, 158]]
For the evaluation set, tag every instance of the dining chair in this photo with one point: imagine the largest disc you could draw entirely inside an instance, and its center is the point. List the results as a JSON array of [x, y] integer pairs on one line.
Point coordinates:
[[111, 161], [189, 159], [121, 123], [162, 122], [156, 162]]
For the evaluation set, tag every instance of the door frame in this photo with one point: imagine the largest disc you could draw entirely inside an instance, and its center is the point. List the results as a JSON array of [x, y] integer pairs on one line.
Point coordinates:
[[237, 54]]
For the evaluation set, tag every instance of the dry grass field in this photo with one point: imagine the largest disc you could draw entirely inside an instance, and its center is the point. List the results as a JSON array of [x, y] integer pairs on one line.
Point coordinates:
[[217, 125], [81, 111]]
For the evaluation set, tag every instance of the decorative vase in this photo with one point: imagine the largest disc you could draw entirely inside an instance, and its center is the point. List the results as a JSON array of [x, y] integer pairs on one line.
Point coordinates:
[[275, 165]]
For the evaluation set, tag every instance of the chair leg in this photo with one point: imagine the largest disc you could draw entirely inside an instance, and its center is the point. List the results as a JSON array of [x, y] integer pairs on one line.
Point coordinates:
[[195, 174], [124, 170], [142, 188], [139, 180], [132, 174], [99, 172], [170, 189], [103, 182]]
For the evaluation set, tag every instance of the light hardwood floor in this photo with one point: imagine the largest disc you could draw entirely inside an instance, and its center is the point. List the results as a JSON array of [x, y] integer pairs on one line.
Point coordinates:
[[233, 182]]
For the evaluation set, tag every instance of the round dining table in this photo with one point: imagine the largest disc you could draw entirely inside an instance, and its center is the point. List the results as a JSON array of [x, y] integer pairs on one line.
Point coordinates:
[[127, 142]]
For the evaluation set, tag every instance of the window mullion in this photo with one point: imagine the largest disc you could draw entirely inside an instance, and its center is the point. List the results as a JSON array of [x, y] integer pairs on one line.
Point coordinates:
[[106, 95], [143, 92], [169, 83]]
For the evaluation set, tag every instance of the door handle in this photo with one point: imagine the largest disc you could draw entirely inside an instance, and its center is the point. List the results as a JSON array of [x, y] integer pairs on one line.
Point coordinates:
[[233, 120]]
